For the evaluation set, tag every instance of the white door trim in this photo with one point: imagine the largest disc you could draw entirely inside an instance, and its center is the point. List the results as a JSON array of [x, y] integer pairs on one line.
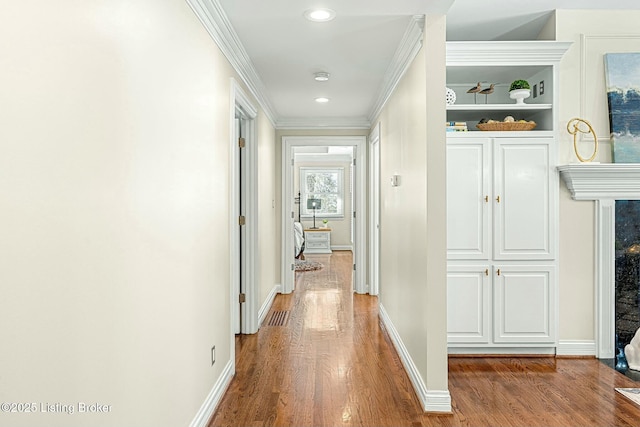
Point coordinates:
[[288, 215], [374, 211], [239, 100]]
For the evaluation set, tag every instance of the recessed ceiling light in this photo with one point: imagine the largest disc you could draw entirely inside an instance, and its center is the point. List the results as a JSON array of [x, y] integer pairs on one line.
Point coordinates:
[[322, 100], [320, 15], [321, 76]]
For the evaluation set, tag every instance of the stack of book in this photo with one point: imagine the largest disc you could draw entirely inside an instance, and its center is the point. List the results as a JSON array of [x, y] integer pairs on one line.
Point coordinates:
[[457, 127]]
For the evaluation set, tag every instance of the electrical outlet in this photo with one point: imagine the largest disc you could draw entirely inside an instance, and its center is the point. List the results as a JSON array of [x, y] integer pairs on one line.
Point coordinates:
[[213, 355], [541, 87]]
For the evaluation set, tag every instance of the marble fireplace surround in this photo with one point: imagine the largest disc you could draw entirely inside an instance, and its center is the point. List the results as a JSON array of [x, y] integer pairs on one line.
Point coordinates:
[[605, 183]]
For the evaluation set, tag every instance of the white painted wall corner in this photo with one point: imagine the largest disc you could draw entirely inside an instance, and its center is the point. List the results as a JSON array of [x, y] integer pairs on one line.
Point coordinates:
[[431, 400]]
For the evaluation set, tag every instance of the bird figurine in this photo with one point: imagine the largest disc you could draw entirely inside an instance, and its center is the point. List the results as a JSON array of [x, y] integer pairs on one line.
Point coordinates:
[[474, 90], [486, 92]]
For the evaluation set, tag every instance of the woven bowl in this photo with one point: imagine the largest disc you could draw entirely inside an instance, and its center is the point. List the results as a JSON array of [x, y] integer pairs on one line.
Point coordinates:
[[506, 126]]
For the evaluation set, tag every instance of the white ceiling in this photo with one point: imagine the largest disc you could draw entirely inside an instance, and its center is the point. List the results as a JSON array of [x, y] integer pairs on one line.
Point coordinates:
[[358, 46], [514, 20]]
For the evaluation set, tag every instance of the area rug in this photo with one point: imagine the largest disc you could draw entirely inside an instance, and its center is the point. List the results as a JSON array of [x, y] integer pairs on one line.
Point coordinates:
[[633, 394], [306, 265]]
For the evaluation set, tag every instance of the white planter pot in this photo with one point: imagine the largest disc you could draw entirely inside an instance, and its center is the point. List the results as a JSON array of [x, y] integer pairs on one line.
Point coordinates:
[[520, 95]]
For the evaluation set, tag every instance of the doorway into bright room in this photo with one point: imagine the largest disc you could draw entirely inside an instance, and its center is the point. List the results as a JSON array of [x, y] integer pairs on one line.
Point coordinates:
[[324, 195]]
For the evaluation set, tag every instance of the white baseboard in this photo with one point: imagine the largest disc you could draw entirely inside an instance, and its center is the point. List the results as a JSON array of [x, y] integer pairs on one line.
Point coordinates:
[[576, 348], [500, 350], [342, 248], [438, 401], [215, 396], [266, 305], [431, 400]]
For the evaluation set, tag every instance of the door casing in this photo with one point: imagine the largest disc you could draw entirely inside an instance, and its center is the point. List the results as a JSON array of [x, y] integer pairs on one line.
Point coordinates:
[[240, 101], [374, 211], [288, 215]]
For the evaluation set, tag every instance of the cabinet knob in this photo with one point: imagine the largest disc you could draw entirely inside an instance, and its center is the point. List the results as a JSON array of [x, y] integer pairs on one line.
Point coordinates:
[[498, 272], [486, 199], [498, 199], [486, 271]]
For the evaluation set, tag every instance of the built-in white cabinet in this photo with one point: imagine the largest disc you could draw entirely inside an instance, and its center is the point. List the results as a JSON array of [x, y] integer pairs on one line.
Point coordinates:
[[524, 198], [524, 302], [501, 304], [501, 240], [469, 192], [469, 290], [502, 200]]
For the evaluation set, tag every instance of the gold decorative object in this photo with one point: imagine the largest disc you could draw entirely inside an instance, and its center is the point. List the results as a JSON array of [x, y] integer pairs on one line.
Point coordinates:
[[573, 127]]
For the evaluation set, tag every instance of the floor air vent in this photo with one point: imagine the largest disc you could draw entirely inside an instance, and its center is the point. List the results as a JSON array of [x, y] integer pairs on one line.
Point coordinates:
[[279, 318]]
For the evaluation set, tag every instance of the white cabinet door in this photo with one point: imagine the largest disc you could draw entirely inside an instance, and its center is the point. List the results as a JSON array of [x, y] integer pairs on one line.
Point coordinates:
[[468, 304], [523, 221], [468, 195], [524, 304]]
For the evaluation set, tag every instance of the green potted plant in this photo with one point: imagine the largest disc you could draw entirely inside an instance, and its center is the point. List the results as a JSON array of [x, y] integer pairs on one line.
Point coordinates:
[[519, 90]]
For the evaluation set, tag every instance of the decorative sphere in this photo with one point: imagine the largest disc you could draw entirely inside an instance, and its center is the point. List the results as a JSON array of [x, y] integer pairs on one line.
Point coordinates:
[[451, 96]]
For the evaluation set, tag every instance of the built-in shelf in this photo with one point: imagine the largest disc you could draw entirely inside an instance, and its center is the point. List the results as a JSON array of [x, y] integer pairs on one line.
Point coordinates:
[[476, 133], [596, 181], [498, 107], [495, 65]]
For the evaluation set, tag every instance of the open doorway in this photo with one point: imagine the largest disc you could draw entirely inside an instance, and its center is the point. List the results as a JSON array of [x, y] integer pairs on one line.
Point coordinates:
[[325, 159]]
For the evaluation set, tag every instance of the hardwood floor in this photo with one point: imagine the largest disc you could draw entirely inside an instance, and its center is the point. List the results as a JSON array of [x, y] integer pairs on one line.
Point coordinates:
[[322, 358]]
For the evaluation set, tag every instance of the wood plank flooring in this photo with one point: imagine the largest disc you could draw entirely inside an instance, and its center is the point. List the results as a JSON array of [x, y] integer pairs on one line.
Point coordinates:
[[322, 358]]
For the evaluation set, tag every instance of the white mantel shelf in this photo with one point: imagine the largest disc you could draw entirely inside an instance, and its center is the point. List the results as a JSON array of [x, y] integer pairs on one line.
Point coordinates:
[[596, 181]]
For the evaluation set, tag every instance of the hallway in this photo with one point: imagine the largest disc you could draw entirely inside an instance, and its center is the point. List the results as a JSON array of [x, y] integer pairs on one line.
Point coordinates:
[[328, 364], [322, 359]]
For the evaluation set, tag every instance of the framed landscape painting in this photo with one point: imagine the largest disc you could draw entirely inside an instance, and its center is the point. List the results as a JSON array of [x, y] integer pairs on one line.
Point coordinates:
[[622, 71]]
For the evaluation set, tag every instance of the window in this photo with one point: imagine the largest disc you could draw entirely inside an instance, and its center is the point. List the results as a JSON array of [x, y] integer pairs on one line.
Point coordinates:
[[324, 184]]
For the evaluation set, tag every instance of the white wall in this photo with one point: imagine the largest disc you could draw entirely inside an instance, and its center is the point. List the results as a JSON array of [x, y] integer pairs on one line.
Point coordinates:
[[114, 189], [413, 220], [583, 94], [269, 258]]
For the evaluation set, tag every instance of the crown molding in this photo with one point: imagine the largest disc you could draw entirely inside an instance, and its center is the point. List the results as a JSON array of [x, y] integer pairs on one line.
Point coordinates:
[[402, 59], [215, 21], [323, 123], [531, 52]]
